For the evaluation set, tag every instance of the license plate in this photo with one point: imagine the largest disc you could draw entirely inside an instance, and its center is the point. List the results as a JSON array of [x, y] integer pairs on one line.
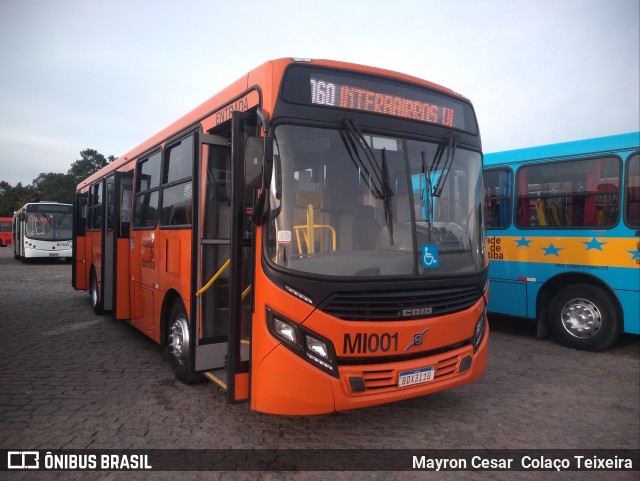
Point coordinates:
[[417, 376], [54, 254]]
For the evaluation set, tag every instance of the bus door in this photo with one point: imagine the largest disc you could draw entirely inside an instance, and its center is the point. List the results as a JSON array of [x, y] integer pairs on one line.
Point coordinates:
[[222, 307], [122, 201], [108, 245], [115, 248], [79, 272]]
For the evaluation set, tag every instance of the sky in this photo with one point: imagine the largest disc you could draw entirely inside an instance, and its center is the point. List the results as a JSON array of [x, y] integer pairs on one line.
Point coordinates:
[[107, 75]]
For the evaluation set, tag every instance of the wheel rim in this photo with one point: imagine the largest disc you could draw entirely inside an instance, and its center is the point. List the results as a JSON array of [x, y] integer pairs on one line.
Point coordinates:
[[179, 339], [581, 318]]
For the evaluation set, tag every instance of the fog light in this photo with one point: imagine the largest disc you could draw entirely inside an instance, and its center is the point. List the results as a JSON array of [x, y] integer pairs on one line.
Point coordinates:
[[465, 364], [285, 330], [356, 384]]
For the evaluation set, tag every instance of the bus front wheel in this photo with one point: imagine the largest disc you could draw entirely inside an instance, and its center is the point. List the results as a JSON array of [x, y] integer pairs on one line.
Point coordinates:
[[179, 344], [584, 317]]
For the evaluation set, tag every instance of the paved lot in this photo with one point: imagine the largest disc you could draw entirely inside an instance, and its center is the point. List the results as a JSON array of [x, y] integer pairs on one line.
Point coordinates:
[[71, 379]]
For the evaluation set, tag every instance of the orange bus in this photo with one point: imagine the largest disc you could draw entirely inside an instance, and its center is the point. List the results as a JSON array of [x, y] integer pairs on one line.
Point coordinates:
[[273, 242], [5, 231]]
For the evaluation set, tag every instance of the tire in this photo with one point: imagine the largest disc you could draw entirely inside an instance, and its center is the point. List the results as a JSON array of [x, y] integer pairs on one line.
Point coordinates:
[[96, 302], [584, 317], [179, 345]]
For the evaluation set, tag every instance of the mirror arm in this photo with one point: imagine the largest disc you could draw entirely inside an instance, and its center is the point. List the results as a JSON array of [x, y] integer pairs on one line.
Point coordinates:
[[267, 163], [267, 169], [262, 118]]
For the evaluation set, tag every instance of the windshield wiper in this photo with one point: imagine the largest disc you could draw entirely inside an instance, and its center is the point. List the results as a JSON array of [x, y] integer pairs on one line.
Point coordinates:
[[375, 176], [387, 194], [353, 138], [450, 147], [429, 192]]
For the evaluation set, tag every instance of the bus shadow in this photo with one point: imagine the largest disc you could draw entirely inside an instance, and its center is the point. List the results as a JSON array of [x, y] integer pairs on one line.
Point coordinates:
[[44, 261], [517, 326]]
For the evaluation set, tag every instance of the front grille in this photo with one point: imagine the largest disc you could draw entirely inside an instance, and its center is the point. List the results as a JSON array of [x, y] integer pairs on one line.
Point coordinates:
[[387, 378], [400, 305], [379, 379]]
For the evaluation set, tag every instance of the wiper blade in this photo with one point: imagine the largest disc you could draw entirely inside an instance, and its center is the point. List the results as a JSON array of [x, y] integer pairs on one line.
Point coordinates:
[[388, 193], [452, 142], [375, 176], [352, 150], [429, 191], [371, 167]]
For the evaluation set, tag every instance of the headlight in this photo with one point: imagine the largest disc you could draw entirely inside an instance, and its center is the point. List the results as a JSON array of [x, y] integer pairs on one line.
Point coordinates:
[[478, 332], [308, 345], [317, 347], [284, 330]]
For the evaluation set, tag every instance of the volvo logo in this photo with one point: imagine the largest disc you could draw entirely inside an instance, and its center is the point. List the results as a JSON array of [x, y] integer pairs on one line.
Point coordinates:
[[417, 339], [421, 311]]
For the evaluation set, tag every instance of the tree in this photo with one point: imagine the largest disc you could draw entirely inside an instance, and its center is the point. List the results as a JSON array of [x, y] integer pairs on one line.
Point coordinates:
[[11, 198], [91, 161], [55, 187], [51, 186]]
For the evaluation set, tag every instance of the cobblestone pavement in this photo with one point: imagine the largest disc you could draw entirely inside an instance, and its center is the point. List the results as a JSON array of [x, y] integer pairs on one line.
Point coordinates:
[[74, 380]]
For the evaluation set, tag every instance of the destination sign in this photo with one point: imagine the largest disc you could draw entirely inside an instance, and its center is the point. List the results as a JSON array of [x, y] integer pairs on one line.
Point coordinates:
[[310, 85], [324, 92]]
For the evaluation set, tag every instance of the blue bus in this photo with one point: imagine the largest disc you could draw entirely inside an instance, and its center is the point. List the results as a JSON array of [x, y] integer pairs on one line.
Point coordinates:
[[563, 237]]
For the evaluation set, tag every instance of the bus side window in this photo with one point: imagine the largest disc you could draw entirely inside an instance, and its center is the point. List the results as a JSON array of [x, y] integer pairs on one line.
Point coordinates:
[[632, 211], [176, 184], [95, 206], [145, 214], [497, 195], [576, 193]]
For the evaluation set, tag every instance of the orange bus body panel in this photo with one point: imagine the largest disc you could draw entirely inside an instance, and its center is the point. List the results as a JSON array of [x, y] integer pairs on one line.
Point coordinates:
[[94, 249], [241, 392], [144, 280], [343, 401], [121, 307], [283, 383], [80, 264]]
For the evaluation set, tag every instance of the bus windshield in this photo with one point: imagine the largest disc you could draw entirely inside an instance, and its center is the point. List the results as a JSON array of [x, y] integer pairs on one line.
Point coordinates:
[[49, 222], [346, 202]]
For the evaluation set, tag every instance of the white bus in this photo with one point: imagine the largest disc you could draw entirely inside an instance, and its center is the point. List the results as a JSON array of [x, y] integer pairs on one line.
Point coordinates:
[[43, 230]]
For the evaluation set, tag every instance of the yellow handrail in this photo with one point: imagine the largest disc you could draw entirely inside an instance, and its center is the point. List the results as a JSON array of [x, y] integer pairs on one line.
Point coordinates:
[[305, 234], [308, 231], [214, 278]]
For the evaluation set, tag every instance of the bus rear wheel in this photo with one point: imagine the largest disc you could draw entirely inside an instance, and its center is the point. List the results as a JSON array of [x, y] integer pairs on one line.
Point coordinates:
[[583, 317], [179, 344], [96, 303]]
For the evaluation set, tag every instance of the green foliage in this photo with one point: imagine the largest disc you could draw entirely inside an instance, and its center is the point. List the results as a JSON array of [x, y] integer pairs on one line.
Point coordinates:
[[51, 186], [90, 161], [13, 197]]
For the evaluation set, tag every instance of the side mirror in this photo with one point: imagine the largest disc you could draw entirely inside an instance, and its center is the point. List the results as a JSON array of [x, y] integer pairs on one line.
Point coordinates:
[[21, 216], [253, 161]]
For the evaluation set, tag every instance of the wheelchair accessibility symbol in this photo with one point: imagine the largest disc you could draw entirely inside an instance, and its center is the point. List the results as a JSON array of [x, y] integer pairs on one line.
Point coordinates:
[[429, 256]]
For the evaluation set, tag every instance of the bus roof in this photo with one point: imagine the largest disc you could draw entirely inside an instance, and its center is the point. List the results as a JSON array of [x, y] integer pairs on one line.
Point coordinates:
[[261, 75], [576, 148]]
